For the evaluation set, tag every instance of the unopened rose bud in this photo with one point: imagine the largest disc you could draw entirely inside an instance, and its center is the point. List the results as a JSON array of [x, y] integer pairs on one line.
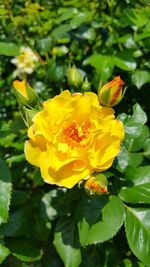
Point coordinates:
[[110, 94], [96, 185], [74, 77], [24, 93], [86, 85]]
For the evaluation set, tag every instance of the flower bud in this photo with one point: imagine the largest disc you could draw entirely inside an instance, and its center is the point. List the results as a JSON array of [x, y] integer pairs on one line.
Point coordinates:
[[24, 93], [96, 185], [110, 94], [74, 77], [86, 85]]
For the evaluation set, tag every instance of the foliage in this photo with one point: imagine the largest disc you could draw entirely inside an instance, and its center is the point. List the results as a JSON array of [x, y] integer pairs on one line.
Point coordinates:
[[48, 226]]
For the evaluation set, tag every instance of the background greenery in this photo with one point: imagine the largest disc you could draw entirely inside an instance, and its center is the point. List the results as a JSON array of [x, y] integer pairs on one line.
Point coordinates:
[[46, 226]]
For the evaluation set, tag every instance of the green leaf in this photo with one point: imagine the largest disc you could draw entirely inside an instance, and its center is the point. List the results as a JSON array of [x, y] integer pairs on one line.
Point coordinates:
[[135, 159], [4, 252], [137, 227], [5, 191], [66, 15], [125, 61], [99, 219], [140, 77], [80, 18], [61, 31], [139, 141], [65, 242], [103, 64], [139, 116], [17, 223], [139, 190], [9, 49], [146, 148], [25, 250], [135, 17], [138, 175], [136, 194], [123, 159]]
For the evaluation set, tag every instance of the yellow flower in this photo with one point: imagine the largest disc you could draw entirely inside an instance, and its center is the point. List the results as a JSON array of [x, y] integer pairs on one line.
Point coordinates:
[[24, 93], [72, 138], [110, 94]]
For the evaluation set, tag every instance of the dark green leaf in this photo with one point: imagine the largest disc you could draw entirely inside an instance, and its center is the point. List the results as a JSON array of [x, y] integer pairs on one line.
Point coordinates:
[[95, 214], [65, 242], [25, 250], [5, 191]]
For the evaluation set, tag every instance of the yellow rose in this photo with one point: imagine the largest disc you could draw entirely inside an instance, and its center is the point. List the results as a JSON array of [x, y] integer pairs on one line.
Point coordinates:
[[73, 137]]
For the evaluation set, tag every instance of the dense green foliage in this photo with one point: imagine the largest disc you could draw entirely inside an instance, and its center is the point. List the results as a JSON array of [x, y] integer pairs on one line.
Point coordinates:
[[46, 226]]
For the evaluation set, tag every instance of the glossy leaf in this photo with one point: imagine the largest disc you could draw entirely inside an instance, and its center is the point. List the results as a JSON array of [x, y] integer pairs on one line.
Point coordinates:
[[136, 194], [99, 219], [5, 191], [65, 242], [140, 77], [103, 64], [125, 61], [137, 227], [138, 175]]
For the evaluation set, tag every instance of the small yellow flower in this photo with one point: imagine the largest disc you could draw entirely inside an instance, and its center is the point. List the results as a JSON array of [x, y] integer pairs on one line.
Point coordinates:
[[24, 93], [110, 94], [72, 138]]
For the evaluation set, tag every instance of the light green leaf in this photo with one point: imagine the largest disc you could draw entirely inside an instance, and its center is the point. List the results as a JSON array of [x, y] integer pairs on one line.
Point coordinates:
[[103, 64], [5, 191], [125, 61], [25, 250], [137, 227], [140, 77], [4, 252], [99, 219], [9, 49], [65, 243]]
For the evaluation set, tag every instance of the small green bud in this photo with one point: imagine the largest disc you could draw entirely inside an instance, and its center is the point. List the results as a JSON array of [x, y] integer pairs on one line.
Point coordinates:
[[86, 85], [74, 77]]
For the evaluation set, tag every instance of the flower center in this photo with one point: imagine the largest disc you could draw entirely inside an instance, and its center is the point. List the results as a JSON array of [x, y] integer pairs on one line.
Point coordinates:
[[76, 134]]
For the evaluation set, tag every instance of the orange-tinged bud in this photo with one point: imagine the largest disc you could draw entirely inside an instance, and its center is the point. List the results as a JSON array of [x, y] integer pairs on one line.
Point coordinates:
[[24, 93], [110, 94], [96, 185]]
